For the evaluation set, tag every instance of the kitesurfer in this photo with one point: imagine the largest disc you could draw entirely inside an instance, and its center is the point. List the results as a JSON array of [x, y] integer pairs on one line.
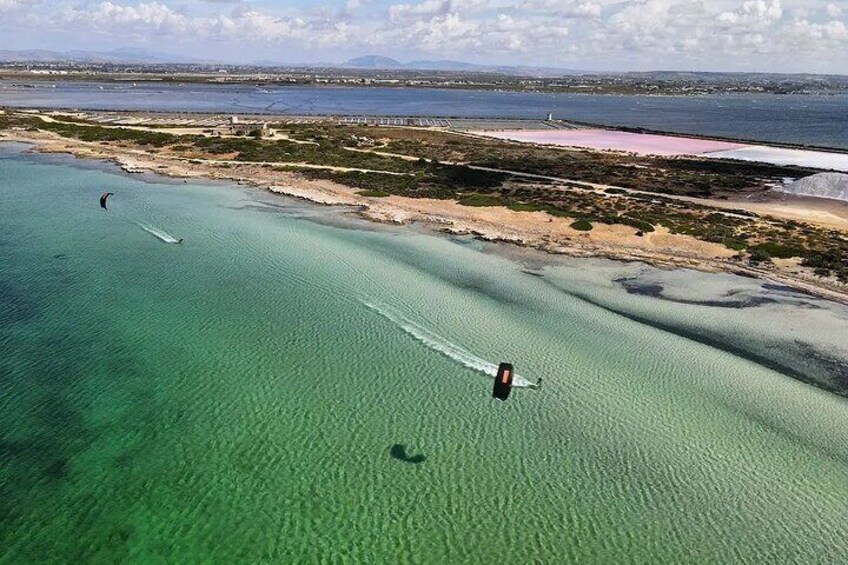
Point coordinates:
[[539, 383], [103, 198]]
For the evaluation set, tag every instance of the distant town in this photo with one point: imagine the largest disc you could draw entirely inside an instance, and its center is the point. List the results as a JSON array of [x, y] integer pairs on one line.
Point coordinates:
[[381, 72]]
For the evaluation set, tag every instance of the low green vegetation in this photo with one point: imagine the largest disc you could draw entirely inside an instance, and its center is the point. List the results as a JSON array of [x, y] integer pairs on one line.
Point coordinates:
[[376, 182], [443, 168], [640, 225], [735, 243], [441, 181], [525, 207], [758, 256], [777, 250], [833, 262], [328, 153], [680, 176], [100, 133]]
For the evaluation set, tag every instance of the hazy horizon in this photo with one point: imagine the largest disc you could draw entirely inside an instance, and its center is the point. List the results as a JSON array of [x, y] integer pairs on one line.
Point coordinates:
[[159, 57]]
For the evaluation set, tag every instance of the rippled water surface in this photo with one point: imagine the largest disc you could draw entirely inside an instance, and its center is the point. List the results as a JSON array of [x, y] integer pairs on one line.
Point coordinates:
[[281, 387]]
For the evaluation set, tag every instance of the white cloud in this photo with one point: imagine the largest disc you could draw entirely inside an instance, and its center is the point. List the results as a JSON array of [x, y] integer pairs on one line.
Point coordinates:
[[587, 9], [438, 28], [423, 10], [753, 13], [572, 9], [151, 16], [9, 5], [241, 26], [644, 16], [821, 37], [769, 34]]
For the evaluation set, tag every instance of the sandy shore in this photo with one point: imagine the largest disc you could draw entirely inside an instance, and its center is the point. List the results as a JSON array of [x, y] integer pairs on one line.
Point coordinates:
[[529, 229]]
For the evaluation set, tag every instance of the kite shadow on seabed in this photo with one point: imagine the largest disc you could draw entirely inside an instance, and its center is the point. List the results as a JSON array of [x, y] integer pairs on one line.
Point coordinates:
[[398, 451]]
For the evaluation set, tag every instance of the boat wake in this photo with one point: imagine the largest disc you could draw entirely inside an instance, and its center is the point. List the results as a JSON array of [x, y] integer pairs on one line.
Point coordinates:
[[167, 238], [443, 346]]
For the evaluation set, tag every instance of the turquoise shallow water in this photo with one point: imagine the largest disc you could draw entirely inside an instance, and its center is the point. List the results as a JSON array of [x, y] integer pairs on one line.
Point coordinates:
[[236, 399]]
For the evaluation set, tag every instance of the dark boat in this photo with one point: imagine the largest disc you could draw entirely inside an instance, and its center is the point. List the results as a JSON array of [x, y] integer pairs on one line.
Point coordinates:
[[503, 382]]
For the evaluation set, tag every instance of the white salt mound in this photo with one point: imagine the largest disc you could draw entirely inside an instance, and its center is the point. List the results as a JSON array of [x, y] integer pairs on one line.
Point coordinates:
[[822, 185]]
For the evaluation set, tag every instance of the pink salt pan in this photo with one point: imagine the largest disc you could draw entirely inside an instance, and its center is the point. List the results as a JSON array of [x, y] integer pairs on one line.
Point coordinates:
[[641, 143]]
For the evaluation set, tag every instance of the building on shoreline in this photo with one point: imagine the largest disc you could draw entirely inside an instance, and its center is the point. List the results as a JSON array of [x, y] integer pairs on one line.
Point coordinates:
[[254, 128]]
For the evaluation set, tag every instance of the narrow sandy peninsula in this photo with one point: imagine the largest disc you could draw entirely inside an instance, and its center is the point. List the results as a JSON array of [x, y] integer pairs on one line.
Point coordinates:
[[668, 210]]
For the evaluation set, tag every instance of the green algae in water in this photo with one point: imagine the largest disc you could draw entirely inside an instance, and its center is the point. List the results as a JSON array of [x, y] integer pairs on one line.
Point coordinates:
[[234, 399]]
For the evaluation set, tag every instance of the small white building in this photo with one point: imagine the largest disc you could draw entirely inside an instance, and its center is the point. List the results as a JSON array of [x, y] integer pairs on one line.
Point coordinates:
[[250, 128]]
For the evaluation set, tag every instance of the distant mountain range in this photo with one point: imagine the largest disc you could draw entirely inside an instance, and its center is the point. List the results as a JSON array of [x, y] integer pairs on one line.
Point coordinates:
[[377, 62], [140, 56], [374, 62], [385, 63]]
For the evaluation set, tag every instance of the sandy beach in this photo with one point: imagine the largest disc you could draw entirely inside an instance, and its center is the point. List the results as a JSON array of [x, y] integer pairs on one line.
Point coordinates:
[[536, 230]]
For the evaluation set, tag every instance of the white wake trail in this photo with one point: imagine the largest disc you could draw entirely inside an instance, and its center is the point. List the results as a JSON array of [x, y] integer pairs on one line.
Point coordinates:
[[445, 347], [167, 238]]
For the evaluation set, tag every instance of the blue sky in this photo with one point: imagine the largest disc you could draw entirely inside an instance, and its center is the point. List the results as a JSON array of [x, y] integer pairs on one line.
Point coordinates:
[[739, 35]]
